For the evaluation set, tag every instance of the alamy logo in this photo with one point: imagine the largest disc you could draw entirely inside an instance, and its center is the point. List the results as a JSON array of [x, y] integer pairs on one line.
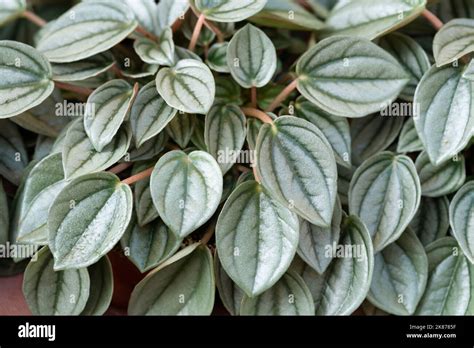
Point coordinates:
[[37, 331]]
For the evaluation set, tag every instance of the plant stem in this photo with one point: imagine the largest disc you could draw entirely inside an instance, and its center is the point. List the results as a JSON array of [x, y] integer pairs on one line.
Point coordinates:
[[257, 178], [120, 167], [431, 17], [253, 97], [257, 114], [242, 168], [137, 177], [146, 33], [76, 89], [209, 233], [40, 22], [196, 32], [210, 26], [282, 96]]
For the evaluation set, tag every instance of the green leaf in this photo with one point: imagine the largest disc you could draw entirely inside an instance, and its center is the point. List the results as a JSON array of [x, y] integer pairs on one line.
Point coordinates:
[[344, 285], [181, 128], [453, 41], [372, 18], [145, 12], [251, 57], [431, 221], [86, 29], [186, 190], [145, 210], [437, 181], [197, 138], [336, 129], [87, 219], [296, 165], [289, 296], [49, 292], [408, 140], [169, 11], [344, 177], [13, 154], [286, 15], [150, 148], [400, 275], [150, 245], [230, 294], [445, 123], [385, 193], [4, 216], [411, 56], [80, 156], [227, 90], [461, 217], [159, 52], [26, 78], [41, 187], [149, 114], [373, 134], [102, 287], [183, 285], [217, 57], [188, 86], [253, 128], [11, 10], [110, 104], [83, 69], [43, 147], [206, 35], [350, 77], [448, 290], [447, 10], [256, 238], [229, 10], [315, 240], [225, 134]]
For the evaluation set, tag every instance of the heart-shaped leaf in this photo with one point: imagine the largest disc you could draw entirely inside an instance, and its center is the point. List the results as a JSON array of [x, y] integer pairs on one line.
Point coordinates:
[[256, 238], [448, 290], [225, 134], [13, 154], [408, 140], [87, 219], [289, 296], [150, 245], [50, 292], [102, 287], [411, 56], [159, 52], [109, 104], [372, 18], [181, 128], [251, 57], [296, 164], [11, 10], [83, 69], [149, 114], [217, 57], [168, 12], [350, 77], [48, 175], [145, 12], [186, 190], [336, 129], [345, 283], [385, 193], [26, 78], [437, 181], [230, 294], [229, 10], [188, 86], [86, 29], [373, 134], [80, 156], [431, 221], [400, 275], [453, 41], [227, 90], [445, 123], [314, 241], [461, 217], [183, 285]]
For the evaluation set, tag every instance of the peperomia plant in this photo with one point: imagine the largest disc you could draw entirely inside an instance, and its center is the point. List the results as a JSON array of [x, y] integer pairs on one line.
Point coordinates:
[[270, 157]]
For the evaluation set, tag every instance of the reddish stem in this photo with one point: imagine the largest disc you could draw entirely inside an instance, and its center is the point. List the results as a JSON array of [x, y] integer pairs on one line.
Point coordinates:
[[40, 22], [137, 177], [120, 167], [76, 89], [253, 97], [435, 21], [146, 33], [257, 114], [282, 96], [196, 32]]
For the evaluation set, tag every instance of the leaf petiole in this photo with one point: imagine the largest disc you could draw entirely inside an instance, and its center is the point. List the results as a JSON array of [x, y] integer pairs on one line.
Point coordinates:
[[283, 95], [33, 18]]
